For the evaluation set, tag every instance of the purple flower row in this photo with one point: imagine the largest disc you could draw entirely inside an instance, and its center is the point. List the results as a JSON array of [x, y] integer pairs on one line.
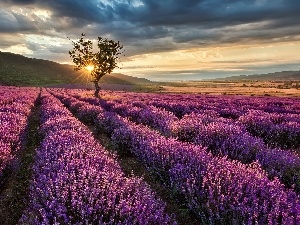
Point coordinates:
[[76, 181], [221, 136], [226, 106], [217, 189], [13, 119], [158, 119], [279, 130], [7, 95], [284, 130], [191, 102], [227, 138]]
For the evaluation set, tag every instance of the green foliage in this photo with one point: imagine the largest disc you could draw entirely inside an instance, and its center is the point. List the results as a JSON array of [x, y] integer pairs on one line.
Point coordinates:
[[18, 70], [105, 60]]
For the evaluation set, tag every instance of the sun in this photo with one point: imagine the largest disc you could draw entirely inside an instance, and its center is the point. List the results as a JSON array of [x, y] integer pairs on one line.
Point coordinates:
[[89, 68]]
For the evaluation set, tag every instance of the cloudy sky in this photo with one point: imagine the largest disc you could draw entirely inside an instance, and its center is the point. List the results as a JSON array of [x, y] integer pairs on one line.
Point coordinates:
[[163, 39]]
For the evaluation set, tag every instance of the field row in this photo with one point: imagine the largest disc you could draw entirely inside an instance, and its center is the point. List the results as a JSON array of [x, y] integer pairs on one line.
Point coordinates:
[[76, 181], [221, 136], [219, 190], [222, 170], [275, 120], [15, 107]]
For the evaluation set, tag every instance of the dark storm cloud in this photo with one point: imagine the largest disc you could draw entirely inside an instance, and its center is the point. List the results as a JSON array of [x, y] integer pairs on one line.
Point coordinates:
[[73, 13], [153, 25], [153, 19], [206, 13], [193, 20], [90, 11], [19, 2], [184, 24], [11, 22]]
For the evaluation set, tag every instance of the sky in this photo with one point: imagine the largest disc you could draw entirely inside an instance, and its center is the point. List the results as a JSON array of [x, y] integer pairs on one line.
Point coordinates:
[[162, 39]]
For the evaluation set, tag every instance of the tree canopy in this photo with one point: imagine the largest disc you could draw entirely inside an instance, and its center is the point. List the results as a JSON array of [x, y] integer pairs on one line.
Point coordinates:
[[99, 63]]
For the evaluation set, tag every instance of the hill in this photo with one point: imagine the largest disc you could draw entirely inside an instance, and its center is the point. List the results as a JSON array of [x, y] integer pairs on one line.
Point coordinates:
[[126, 78], [19, 70], [277, 76]]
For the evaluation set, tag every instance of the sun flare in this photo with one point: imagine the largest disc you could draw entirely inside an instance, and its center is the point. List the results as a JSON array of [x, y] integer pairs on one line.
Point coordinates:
[[89, 68]]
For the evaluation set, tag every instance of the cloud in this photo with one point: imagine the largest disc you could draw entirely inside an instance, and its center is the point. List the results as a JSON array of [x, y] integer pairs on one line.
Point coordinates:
[[199, 74], [147, 26], [13, 22], [88, 11], [19, 2], [195, 22]]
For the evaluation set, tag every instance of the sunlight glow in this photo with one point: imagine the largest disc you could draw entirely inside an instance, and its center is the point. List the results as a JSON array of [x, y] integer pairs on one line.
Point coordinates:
[[89, 68]]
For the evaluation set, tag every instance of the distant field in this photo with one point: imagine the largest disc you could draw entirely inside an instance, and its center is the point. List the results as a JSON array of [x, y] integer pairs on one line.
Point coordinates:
[[198, 87], [261, 88]]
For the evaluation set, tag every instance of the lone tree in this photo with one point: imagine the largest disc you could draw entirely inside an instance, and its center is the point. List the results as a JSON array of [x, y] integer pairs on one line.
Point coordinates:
[[98, 63]]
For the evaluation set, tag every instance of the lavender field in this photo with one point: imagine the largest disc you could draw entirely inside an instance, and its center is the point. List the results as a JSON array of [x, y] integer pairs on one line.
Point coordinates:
[[223, 159]]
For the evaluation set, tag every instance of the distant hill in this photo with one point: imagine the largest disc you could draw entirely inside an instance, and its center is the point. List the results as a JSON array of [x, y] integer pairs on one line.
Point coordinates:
[[128, 79], [277, 76], [118, 78], [19, 70]]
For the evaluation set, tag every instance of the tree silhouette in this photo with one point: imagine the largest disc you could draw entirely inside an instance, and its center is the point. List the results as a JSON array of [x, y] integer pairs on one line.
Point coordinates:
[[99, 63]]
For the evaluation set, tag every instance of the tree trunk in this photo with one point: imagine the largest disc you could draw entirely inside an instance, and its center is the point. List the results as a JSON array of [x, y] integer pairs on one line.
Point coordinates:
[[97, 89]]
